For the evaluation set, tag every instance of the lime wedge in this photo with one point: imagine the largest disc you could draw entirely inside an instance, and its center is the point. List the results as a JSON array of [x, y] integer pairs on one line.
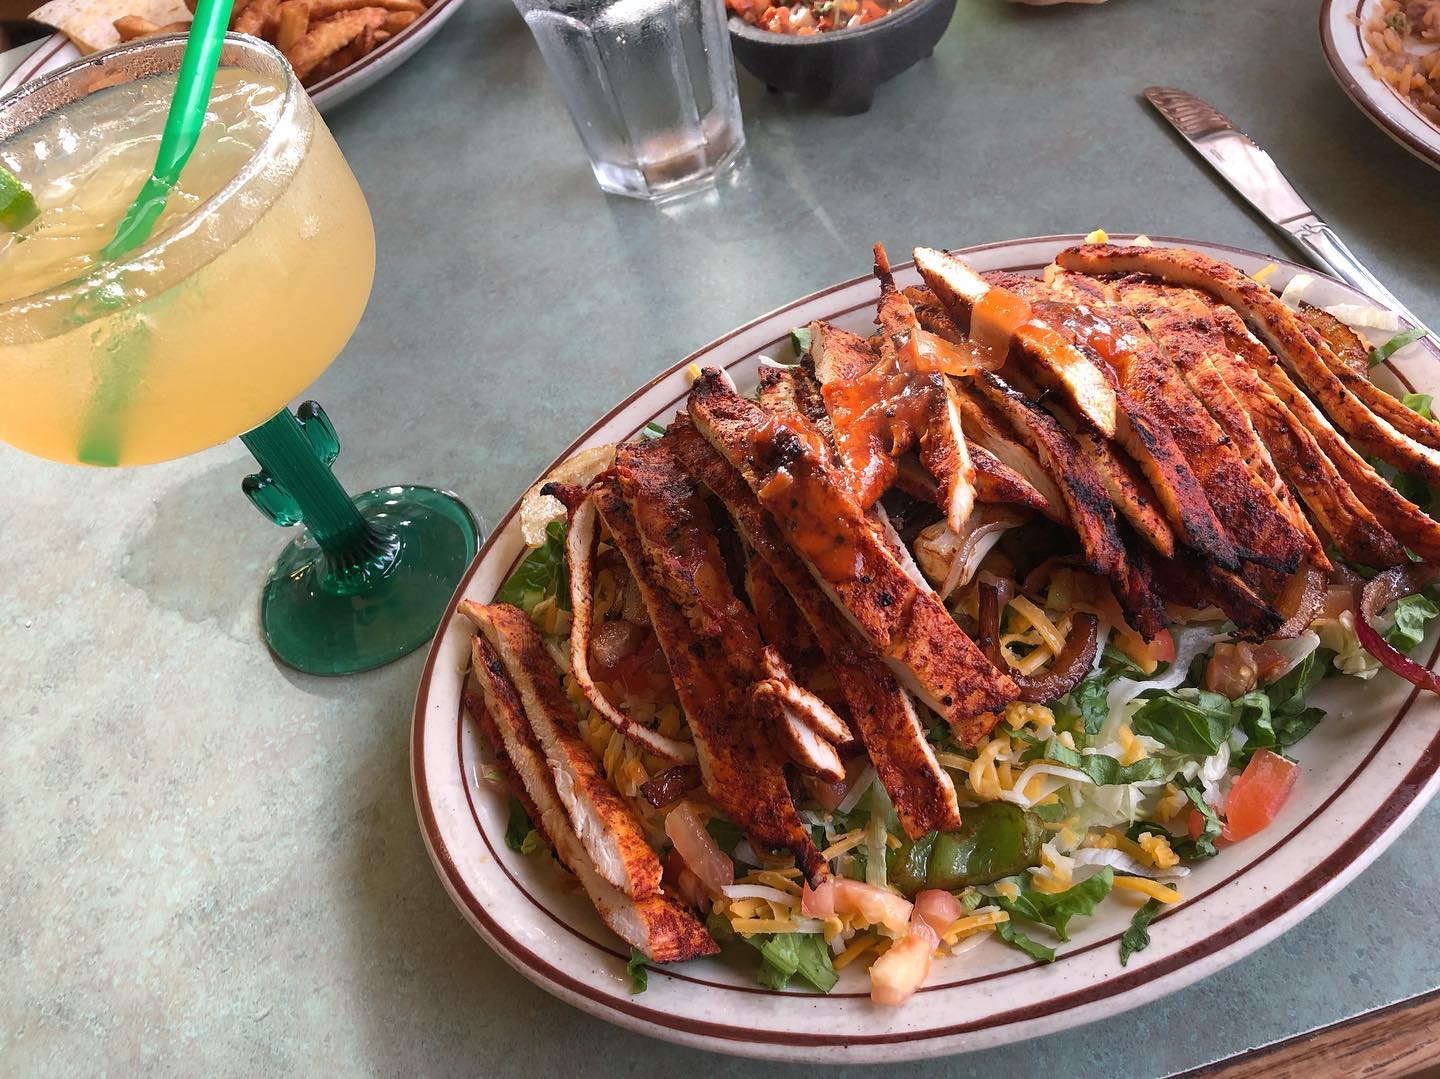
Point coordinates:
[[17, 205]]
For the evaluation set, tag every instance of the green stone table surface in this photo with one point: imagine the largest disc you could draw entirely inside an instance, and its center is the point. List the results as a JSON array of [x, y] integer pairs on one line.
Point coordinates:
[[210, 865]]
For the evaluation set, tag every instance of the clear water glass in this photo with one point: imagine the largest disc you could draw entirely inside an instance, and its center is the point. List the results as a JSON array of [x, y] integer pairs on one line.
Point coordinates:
[[650, 85]]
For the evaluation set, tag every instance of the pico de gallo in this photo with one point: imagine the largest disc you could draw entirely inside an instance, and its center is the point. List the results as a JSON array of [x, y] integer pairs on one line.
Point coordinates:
[[811, 16]]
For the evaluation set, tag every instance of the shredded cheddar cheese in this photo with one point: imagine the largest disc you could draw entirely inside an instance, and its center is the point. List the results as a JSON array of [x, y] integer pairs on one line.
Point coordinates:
[[971, 923], [849, 841], [1158, 848], [693, 371], [1263, 274], [748, 927], [1039, 622], [854, 950], [1146, 886], [1134, 751]]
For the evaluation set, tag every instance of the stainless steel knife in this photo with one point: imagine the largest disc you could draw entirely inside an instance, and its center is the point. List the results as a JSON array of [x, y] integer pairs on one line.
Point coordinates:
[[1252, 172]]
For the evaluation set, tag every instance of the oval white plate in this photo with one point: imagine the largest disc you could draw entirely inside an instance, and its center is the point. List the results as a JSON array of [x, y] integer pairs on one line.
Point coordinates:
[[55, 51], [1345, 52], [1368, 769]]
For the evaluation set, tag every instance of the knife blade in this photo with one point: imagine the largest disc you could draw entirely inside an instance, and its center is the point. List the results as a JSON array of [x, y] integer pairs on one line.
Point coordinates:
[[1255, 176]]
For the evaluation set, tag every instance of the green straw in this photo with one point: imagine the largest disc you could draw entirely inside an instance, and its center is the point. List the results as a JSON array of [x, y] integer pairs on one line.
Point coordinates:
[[100, 438]]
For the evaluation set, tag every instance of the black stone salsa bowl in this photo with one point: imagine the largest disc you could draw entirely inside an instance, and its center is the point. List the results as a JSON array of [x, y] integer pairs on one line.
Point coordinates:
[[840, 69]]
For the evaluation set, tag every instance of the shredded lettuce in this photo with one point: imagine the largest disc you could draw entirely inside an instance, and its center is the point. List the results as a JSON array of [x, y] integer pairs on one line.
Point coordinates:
[[800, 340], [1016, 939], [782, 955], [1137, 937], [1383, 352], [1196, 724], [541, 575], [1103, 771], [1411, 616], [652, 430], [785, 955], [1418, 402], [639, 976], [1055, 909], [1202, 846], [1085, 707], [519, 828]]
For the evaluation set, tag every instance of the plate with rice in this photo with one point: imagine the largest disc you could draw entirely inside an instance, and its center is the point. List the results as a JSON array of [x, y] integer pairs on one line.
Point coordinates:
[[1386, 56]]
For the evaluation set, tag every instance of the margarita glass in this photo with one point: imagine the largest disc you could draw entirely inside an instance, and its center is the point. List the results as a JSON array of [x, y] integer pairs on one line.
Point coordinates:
[[251, 284]]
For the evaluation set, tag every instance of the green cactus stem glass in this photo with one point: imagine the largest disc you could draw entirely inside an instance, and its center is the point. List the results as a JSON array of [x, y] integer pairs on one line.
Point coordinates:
[[369, 578]]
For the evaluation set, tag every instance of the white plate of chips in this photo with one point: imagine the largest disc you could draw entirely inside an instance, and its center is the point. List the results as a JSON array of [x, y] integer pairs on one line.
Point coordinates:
[[338, 47]]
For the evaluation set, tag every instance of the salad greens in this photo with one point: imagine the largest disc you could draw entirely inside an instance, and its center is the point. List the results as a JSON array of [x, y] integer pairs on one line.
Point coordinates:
[[1137, 937], [519, 830], [1411, 615], [1196, 723], [1103, 771], [1381, 353], [639, 976], [1007, 932], [541, 576], [783, 955], [1055, 909]]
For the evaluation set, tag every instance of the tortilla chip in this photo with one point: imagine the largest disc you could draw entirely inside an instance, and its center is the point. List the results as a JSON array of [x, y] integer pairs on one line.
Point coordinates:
[[91, 23]]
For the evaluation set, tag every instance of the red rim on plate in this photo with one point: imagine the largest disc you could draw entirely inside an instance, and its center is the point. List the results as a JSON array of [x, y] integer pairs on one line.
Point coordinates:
[[1357, 840]]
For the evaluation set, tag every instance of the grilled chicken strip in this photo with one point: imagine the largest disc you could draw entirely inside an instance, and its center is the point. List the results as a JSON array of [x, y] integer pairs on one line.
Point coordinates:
[[996, 317], [1278, 327], [1348, 357], [787, 464], [659, 926], [882, 714], [580, 540], [677, 535], [1334, 507], [942, 442], [1131, 494], [1249, 510], [739, 766], [838, 355], [1144, 437], [612, 836], [1404, 521], [1180, 322], [1083, 492], [1191, 580], [991, 433]]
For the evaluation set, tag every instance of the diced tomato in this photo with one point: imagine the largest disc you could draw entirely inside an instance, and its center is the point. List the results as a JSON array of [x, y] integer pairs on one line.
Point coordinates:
[[937, 908], [1258, 794], [1269, 662], [869, 12], [896, 975], [819, 902], [872, 905], [1255, 799]]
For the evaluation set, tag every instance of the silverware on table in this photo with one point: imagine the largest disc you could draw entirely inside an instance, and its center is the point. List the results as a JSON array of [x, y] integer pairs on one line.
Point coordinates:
[[1252, 172]]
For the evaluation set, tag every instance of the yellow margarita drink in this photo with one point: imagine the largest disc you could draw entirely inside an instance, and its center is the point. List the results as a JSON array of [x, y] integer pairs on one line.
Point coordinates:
[[251, 283]]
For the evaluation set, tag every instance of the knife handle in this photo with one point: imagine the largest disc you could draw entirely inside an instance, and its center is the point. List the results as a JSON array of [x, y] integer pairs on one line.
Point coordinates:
[[1327, 251]]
